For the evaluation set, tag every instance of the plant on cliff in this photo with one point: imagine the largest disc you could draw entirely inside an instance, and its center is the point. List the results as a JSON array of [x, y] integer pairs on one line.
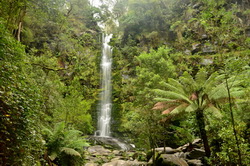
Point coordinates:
[[199, 95]]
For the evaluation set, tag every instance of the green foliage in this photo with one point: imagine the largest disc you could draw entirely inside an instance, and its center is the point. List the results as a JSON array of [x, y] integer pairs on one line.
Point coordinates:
[[55, 76], [19, 105], [64, 146], [198, 95]]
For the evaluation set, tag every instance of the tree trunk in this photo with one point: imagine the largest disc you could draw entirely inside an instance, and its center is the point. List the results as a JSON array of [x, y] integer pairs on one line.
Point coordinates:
[[233, 123], [201, 124], [18, 35]]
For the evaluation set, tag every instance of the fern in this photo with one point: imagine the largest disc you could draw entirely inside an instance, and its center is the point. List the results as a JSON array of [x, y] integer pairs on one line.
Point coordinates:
[[61, 140], [206, 95], [53, 156], [70, 151], [175, 83], [171, 95], [201, 77], [179, 109], [192, 107], [174, 88]]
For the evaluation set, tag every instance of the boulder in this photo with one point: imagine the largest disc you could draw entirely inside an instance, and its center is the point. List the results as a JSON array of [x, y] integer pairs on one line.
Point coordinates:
[[170, 159], [91, 164], [116, 163], [194, 163], [181, 155], [125, 163], [168, 150], [196, 47], [206, 61], [110, 142], [98, 150], [208, 50], [196, 153]]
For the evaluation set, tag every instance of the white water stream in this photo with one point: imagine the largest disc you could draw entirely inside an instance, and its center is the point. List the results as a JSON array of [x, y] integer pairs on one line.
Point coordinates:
[[105, 103], [104, 116]]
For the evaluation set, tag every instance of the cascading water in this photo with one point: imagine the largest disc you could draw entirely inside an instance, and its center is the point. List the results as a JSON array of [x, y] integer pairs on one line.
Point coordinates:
[[105, 103], [103, 134]]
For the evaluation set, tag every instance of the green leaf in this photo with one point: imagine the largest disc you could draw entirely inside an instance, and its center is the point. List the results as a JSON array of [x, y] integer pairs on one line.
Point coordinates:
[[53, 156], [70, 151], [192, 107], [179, 109], [171, 95], [173, 88]]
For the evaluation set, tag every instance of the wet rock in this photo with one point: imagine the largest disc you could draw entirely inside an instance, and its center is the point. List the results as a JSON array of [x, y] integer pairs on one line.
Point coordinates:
[[181, 155], [115, 163], [125, 163], [194, 162], [196, 153], [169, 159], [208, 50], [98, 150], [196, 47], [110, 142], [187, 52], [167, 150], [117, 152], [91, 164], [204, 37]]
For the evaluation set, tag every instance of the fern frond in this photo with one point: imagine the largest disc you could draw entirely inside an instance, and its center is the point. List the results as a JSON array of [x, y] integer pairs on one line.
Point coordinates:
[[174, 88], [192, 107], [164, 105], [201, 77], [167, 111], [171, 95], [53, 156], [59, 127], [218, 92], [237, 94], [213, 80], [47, 131], [179, 109], [70, 151], [214, 111], [161, 99], [175, 83], [78, 144], [187, 79], [72, 134]]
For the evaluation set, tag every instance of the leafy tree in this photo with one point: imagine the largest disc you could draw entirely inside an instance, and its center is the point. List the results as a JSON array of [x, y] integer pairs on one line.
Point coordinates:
[[20, 103]]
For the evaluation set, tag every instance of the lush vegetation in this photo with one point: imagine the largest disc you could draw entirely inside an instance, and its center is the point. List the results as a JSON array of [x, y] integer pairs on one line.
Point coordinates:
[[181, 70]]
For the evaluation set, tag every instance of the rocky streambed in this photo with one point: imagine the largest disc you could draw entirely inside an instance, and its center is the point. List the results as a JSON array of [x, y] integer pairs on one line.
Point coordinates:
[[191, 154]]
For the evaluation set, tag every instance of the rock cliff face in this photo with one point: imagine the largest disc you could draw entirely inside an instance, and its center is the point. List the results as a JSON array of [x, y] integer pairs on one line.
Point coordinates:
[[191, 154]]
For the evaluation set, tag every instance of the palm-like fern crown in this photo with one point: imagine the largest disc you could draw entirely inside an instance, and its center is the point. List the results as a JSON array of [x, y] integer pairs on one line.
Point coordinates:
[[59, 140], [190, 94]]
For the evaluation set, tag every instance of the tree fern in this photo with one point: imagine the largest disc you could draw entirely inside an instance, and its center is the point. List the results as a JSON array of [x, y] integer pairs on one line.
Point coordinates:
[[198, 94], [176, 84], [201, 77], [171, 95], [173, 87], [60, 140]]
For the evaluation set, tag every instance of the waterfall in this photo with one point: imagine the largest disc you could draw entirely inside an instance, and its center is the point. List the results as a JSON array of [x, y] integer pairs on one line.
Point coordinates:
[[105, 96]]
